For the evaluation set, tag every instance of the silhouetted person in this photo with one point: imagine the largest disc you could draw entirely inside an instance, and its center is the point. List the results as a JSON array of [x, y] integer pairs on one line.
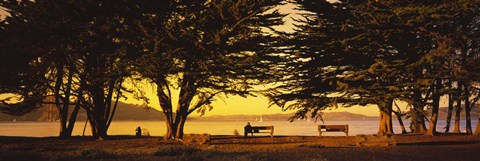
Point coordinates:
[[138, 132], [247, 129]]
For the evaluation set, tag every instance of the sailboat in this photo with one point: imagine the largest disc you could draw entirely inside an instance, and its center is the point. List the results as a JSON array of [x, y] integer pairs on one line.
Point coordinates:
[[261, 119], [14, 120]]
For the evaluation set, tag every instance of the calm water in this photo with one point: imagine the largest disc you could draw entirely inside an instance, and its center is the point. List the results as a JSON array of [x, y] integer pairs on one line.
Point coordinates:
[[157, 128]]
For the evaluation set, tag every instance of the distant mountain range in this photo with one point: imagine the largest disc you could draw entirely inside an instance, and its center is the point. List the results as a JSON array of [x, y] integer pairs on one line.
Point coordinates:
[[474, 114], [130, 112], [285, 117], [124, 112]]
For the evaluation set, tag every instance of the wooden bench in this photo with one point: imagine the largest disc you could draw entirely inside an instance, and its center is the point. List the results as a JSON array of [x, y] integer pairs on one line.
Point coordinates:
[[259, 129], [332, 128]]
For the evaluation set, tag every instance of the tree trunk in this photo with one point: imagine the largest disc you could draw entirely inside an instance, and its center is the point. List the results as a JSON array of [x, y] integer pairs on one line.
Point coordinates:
[[477, 130], [381, 125], [181, 125], [458, 110], [102, 132], [187, 92], [467, 108], [73, 119], [400, 122], [435, 106], [466, 91], [91, 123], [164, 98], [386, 127], [66, 128], [170, 133], [417, 118], [450, 110], [67, 131], [99, 112]]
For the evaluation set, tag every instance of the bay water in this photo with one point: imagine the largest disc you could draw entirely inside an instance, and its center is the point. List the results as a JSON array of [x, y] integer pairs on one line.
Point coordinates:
[[157, 128]]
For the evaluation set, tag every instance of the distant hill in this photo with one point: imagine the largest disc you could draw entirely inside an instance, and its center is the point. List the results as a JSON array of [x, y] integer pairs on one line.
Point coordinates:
[[284, 117], [130, 112], [474, 114], [124, 112]]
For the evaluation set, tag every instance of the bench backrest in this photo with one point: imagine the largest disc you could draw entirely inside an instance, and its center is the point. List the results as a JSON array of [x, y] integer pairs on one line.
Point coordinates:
[[338, 127], [262, 127]]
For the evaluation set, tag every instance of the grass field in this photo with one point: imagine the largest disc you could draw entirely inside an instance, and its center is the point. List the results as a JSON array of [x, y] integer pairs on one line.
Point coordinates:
[[303, 148]]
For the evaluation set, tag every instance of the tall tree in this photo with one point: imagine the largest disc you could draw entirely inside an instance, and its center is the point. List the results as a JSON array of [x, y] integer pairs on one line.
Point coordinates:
[[465, 35], [37, 35], [206, 50], [105, 60], [310, 79], [80, 53], [399, 48]]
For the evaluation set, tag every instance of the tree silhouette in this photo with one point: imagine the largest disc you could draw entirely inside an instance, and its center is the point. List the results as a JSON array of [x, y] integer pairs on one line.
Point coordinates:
[[206, 50], [77, 53], [371, 52]]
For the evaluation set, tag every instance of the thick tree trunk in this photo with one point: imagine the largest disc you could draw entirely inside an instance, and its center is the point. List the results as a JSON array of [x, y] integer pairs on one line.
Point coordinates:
[[187, 92], [435, 106], [63, 123], [99, 122], [417, 118], [102, 132], [170, 127], [164, 98], [381, 125], [100, 110], [386, 126], [171, 131], [181, 125], [458, 110], [67, 132]]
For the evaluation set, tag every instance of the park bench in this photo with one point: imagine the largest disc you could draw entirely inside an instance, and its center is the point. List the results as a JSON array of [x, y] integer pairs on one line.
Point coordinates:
[[262, 129], [332, 128]]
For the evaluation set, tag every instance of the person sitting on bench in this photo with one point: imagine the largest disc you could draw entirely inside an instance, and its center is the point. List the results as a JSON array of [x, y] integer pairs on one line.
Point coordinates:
[[247, 129]]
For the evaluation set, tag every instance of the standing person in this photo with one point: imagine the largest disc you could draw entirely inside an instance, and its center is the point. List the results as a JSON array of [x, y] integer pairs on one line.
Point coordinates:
[[247, 129]]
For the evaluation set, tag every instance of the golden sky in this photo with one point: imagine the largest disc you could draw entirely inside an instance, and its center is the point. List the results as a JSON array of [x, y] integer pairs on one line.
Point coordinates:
[[236, 105]]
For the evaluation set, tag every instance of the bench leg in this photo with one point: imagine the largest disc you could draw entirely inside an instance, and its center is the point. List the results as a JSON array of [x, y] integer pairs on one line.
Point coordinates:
[[319, 133]]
